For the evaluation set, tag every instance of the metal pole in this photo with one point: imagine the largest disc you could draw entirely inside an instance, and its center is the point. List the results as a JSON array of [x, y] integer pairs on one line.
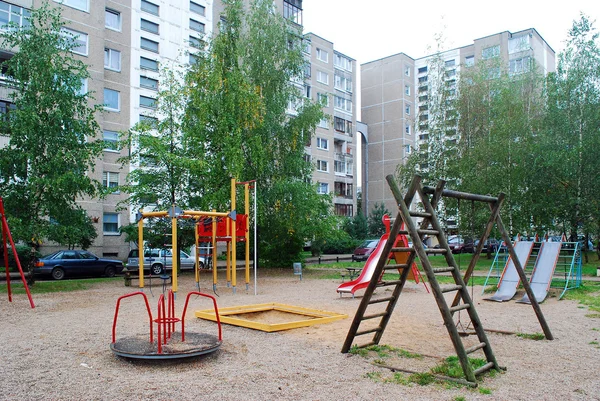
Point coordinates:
[[255, 254]]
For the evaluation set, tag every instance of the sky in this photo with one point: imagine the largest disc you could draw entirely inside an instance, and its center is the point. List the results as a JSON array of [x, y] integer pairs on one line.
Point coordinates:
[[373, 29]]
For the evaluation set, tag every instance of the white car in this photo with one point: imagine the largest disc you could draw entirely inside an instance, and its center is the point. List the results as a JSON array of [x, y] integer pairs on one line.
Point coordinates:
[[155, 260]]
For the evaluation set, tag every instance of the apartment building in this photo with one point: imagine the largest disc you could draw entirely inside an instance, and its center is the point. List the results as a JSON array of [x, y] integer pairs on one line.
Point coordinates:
[[395, 93], [330, 80]]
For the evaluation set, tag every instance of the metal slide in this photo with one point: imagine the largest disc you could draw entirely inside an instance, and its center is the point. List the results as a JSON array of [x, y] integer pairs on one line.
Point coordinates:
[[507, 287], [543, 271], [362, 281]]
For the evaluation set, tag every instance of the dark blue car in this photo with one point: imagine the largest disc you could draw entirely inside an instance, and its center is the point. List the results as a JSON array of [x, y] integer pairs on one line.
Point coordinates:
[[76, 263]]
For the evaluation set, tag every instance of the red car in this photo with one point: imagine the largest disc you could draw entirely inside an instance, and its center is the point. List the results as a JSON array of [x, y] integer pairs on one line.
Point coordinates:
[[364, 250]]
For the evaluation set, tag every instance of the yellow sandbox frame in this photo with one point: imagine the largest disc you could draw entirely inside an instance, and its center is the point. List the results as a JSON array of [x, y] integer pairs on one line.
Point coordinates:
[[227, 315]]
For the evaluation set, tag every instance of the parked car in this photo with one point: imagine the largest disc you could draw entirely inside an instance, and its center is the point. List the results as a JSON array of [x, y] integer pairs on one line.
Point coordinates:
[[364, 250], [155, 260], [490, 244], [60, 264], [459, 245]]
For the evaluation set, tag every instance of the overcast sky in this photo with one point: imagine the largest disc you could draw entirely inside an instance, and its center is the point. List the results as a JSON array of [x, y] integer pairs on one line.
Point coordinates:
[[372, 29]]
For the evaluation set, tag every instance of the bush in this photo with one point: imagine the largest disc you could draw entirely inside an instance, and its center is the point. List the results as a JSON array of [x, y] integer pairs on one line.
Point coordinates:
[[337, 242], [24, 253]]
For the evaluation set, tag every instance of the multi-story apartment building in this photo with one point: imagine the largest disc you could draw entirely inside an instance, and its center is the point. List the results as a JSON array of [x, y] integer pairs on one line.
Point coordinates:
[[396, 90], [124, 42], [330, 80]]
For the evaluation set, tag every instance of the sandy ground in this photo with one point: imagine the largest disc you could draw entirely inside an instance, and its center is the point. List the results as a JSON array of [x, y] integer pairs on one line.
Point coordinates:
[[61, 349]]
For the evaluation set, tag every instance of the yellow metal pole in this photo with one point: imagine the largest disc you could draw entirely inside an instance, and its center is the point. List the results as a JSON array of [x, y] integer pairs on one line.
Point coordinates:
[[233, 239], [174, 249], [247, 234], [214, 253], [197, 264], [141, 249]]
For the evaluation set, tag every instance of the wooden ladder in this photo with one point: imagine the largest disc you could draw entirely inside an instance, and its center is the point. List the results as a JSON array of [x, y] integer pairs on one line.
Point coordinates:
[[429, 226]]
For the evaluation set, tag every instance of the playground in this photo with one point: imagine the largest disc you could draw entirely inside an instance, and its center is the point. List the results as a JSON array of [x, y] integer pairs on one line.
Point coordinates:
[[60, 349]]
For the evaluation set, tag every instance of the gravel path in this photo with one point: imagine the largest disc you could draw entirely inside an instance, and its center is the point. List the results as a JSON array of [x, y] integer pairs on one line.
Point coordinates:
[[61, 349]]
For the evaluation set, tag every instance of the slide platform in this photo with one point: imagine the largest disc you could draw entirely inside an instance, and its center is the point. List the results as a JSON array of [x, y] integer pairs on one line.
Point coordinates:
[[543, 271], [507, 288]]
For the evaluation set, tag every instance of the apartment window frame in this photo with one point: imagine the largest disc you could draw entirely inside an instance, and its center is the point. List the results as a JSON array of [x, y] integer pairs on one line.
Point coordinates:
[[110, 180], [407, 129], [109, 56], [324, 123], [107, 25], [152, 85], [320, 75], [77, 35], [110, 223], [197, 26], [195, 8], [149, 26], [322, 188], [322, 166], [292, 12], [75, 4], [148, 102], [407, 90], [490, 52], [149, 7], [407, 149], [407, 70], [149, 62], [322, 143], [109, 107], [323, 99], [322, 55], [149, 45], [469, 61], [407, 110], [111, 140]]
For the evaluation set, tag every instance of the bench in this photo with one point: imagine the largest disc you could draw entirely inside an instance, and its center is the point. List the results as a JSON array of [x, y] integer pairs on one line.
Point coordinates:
[[129, 277]]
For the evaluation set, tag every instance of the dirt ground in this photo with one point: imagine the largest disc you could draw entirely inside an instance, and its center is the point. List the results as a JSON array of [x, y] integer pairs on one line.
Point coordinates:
[[61, 349]]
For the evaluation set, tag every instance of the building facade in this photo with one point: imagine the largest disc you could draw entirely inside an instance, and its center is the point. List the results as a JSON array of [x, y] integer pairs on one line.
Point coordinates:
[[395, 95]]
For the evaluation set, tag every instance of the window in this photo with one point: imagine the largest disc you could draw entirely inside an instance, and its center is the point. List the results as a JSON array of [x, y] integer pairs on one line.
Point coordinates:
[[150, 8], [83, 89], [407, 149], [192, 59], [306, 46], [197, 8], [148, 102], [407, 129], [343, 104], [149, 83], [518, 44], [14, 14], [112, 100], [342, 62], [196, 25], [470, 61], [340, 124], [407, 109], [423, 80], [111, 140], [322, 188], [307, 91], [450, 63], [343, 210], [149, 26], [324, 123], [450, 73], [519, 65], [322, 55], [110, 223], [112, 59], [323, 99], [82, 5], [197, 43], [489, 52], [322, 166], [494, 72], [148, 64], [110, 180], [292, 10], [152, 121], [148, 44], [323, 77], [407, 90], [342, 83], [80, 38], [112, 19], [422, 70], [322, 143]]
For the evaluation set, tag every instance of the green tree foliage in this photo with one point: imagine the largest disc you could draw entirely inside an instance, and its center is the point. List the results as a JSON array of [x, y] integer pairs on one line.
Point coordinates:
[[357, 226], [376, 227], [238, 126], [51, 132]]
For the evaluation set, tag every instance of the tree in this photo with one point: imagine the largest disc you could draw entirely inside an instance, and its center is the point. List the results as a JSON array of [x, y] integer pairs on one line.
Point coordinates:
[[376, 227], [51, 129], [239, 126]]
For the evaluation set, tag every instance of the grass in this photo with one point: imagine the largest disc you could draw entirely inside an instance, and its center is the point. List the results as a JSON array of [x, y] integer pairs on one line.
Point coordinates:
[[43, 287], [534, 336], [383, 351], [588, 294]]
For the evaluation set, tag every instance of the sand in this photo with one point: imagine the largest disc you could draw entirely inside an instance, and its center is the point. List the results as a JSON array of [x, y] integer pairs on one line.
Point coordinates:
[[61, 349]]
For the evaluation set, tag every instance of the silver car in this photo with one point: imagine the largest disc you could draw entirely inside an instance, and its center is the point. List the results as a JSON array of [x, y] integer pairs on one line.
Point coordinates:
[[155, 260]]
